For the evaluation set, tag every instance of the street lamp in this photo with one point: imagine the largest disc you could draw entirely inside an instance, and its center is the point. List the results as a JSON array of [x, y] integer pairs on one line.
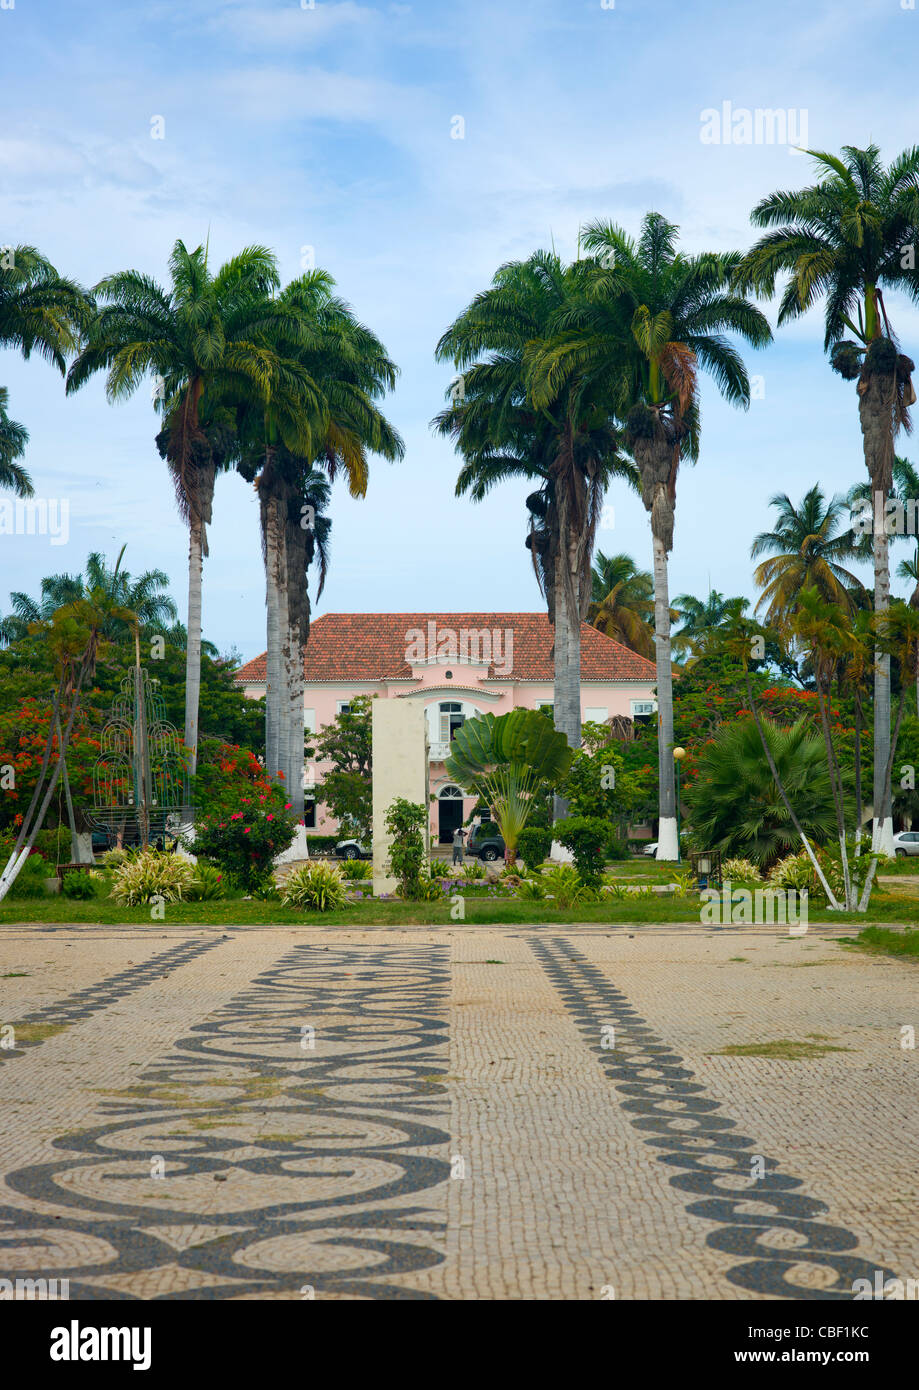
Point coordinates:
[[678, 755]]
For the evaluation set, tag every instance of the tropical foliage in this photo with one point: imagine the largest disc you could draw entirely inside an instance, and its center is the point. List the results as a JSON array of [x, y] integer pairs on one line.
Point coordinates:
[[507, 760]]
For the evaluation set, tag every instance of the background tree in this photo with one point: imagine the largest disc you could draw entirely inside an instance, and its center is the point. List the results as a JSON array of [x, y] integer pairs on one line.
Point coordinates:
[[145, 597], [701, 622], [347, 784], [622, 602], [13, 441], [806, 546], [846, 240]]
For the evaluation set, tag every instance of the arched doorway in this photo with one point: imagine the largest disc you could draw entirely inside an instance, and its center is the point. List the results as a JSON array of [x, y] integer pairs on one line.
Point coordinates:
[[449, 813]]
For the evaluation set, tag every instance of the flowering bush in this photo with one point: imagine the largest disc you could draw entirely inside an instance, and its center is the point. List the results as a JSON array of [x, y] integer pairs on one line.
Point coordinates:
[[797, 871], [317, 886], [152, 874], [244, 841], [743, 869]]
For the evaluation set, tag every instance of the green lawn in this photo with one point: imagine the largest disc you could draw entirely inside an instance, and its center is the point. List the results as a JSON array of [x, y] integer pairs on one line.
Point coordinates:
[[482, 910]]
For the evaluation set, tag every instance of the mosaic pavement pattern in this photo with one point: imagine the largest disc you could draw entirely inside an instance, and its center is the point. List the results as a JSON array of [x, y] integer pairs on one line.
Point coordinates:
[[473, 1113]]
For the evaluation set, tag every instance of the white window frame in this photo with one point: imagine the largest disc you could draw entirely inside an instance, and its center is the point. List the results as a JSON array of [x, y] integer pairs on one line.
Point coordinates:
[[343, 706], [642, 713]]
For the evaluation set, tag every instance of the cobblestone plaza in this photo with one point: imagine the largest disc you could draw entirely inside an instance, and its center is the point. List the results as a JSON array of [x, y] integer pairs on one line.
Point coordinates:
[[465, 1113]]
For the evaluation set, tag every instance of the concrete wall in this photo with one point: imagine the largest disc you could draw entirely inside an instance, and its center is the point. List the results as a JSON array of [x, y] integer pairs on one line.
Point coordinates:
[[400, 768]]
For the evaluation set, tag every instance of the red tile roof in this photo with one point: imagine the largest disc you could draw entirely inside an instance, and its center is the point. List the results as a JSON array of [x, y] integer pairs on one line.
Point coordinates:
[[345, 647]]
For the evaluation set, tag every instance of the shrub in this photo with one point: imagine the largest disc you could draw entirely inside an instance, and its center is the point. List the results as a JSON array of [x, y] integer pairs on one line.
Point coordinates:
[[531, 889], [563, 884], [406, 822], [245, 841], [316, 886], [473, 871], [587, 837], [82, 884], [114, 858], [152, 874], [266, 891], [30, 881], [534, 844], [743, 869], [428, 891], [616, 849], [207, 885], [357, 868], [323, 844], [732, 801], [797, 871]]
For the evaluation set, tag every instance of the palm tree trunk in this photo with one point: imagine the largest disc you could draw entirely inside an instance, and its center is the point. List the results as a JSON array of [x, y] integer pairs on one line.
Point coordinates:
[[560, 804], [274, 683], [285, 656], [295, 758], [667, 837], [876, 390], [573, 665], [193, 641]]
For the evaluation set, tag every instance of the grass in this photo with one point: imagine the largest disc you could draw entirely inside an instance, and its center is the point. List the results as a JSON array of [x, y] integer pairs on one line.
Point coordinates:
[[783, 1049], [881, 941], [37, 1032], [893, 908]]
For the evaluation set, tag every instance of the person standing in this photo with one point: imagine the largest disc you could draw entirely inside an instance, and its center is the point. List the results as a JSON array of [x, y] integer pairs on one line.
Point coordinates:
[[459, 836]]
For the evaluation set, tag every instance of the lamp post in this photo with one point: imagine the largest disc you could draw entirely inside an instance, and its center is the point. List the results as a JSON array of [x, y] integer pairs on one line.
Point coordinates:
[[678, 755]]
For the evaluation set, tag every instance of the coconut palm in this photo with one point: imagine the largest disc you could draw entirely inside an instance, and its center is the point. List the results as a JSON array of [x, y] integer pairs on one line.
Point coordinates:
[[701, 620], [901, 508], [622, 602], [806, 546], [846, 240], [649, 320], [200, 342], [145, 597], [568, 441]]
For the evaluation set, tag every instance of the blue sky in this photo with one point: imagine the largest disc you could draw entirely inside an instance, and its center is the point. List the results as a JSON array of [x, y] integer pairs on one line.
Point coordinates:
[[330, 127]]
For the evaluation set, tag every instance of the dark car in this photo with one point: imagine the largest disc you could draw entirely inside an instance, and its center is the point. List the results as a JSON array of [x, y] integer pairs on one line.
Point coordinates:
[[485, 842]]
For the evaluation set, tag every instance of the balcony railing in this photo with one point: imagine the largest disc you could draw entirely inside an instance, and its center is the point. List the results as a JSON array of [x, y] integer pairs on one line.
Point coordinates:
[[438, 752]]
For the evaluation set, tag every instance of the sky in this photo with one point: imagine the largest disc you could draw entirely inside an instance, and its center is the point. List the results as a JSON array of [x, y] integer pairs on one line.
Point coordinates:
[[328, 131]]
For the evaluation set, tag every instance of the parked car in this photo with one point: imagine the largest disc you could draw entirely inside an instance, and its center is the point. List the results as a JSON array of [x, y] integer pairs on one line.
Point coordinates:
[[352, 849], [906, 842], [485, 843]]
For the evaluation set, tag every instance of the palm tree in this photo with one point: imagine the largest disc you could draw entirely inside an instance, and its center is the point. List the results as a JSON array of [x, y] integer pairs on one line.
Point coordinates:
[[622, 602], [807, 548], [568, 442], [649, 320], [146, 598], [701, 621], [40, 312], [200, 341], [845, 239], [13, 441], [322, 416]]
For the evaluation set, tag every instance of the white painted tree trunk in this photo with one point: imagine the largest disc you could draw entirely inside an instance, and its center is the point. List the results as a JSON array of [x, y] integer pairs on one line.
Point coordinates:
[[667, 837]]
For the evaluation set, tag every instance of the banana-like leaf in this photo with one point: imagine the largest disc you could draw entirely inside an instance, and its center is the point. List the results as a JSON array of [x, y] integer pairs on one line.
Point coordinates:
[[523, 738]]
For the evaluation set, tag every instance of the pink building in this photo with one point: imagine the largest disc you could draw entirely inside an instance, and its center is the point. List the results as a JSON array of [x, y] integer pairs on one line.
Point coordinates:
[[458, 665]]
